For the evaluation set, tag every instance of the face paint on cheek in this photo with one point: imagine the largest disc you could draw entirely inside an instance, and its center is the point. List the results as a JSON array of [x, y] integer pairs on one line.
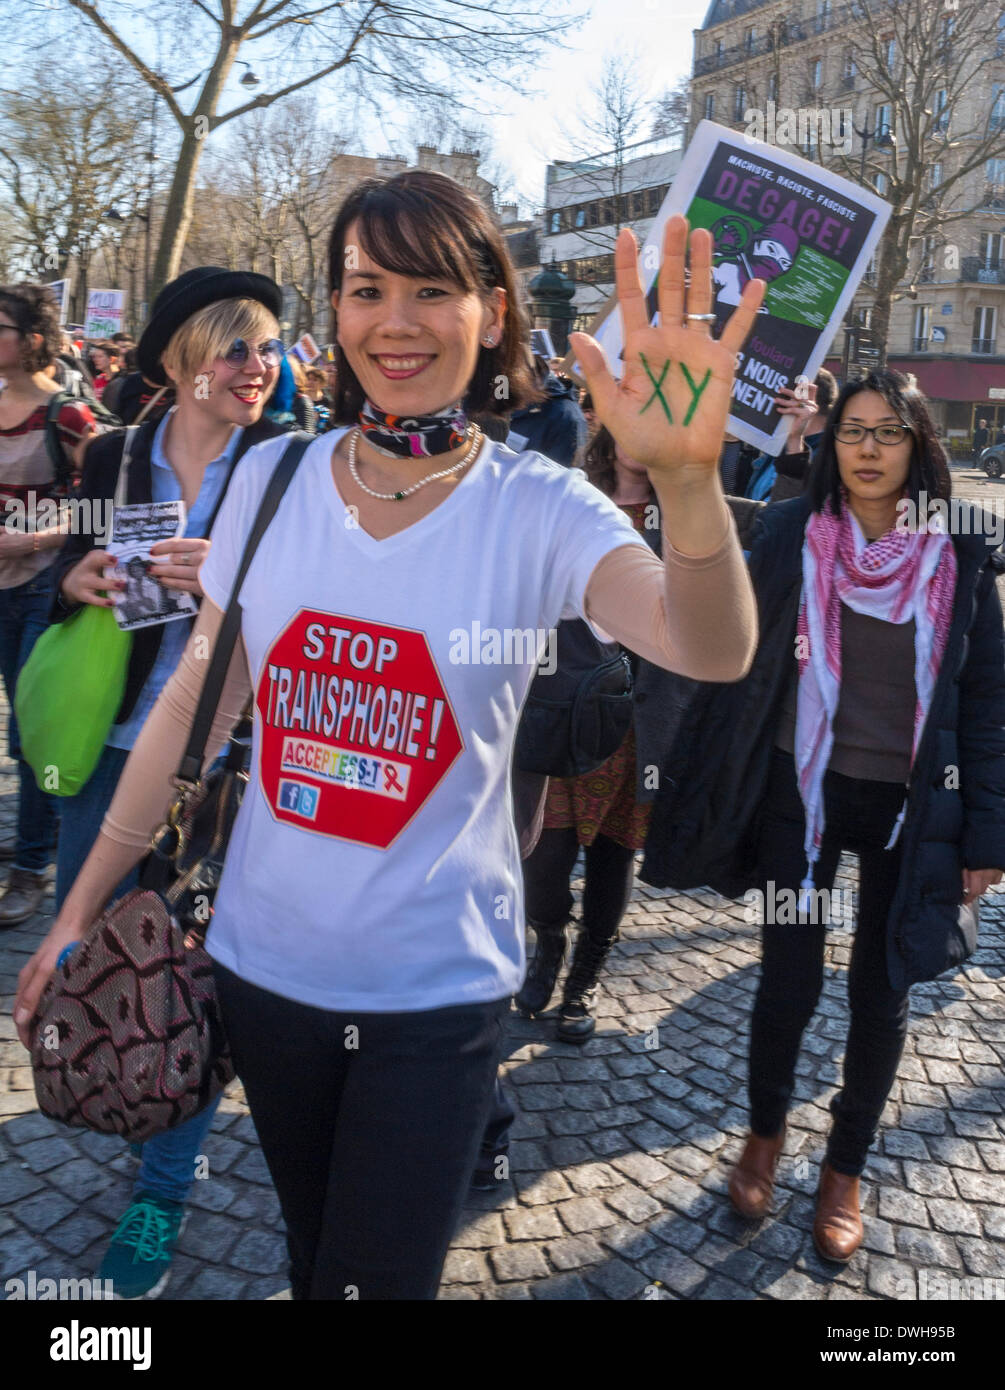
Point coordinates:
[[203, 385]]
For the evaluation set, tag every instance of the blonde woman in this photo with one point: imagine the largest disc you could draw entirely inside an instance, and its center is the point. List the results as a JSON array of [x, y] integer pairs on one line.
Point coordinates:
[[213, 336]]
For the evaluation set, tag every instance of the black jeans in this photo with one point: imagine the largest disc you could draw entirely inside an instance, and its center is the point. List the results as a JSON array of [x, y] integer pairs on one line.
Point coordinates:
[[370, 1136], [607, 885], [859, 817]]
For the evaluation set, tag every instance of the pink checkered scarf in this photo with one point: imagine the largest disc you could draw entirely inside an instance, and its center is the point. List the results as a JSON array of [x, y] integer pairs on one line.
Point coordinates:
[[904, 575]]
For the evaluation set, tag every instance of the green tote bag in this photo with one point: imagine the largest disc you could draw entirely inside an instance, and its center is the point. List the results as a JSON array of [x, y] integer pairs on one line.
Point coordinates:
[[71, 687], [67, 697]]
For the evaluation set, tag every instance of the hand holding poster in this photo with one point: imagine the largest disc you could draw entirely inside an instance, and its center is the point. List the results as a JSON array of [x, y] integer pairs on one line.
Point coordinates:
[[806, 232]]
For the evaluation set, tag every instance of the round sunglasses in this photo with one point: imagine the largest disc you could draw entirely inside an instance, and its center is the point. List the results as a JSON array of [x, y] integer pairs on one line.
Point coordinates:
[[270, 352]]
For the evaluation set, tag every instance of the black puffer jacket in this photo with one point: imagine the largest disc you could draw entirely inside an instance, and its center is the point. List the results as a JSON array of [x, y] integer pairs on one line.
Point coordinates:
[[704, 821]]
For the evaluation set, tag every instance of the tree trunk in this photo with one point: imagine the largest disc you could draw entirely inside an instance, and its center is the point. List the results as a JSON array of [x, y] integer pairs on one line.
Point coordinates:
[[177, 211]]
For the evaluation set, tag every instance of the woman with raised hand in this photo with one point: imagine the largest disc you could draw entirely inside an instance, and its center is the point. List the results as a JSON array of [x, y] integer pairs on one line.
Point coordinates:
[[872, 720], [368, 930]]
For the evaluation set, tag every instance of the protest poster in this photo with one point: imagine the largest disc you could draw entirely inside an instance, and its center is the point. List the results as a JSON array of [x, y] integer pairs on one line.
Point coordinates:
[[775, 216], [306, 349], [61, 289], [541, 344], [105, 309]]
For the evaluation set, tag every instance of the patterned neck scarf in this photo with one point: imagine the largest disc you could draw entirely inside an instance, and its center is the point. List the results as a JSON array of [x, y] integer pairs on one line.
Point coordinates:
[[414, 436], [901, 576]]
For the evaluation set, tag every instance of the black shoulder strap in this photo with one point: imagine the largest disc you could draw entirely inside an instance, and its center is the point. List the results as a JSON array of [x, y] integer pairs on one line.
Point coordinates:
[[53, 443], [191, 764]]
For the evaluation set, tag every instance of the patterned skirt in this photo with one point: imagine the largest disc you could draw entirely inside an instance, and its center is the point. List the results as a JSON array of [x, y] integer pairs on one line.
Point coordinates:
[[601, 802]]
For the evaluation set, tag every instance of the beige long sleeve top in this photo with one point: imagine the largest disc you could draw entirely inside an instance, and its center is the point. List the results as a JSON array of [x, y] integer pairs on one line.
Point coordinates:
[[693, 615]]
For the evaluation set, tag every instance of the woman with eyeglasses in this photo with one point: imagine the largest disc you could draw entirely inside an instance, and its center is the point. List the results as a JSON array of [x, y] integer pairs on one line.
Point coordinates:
[[212, 335], [872, 720], [368, 931]]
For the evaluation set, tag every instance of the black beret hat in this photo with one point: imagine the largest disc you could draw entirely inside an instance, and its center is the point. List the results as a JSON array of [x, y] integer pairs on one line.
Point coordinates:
[[182, 298]]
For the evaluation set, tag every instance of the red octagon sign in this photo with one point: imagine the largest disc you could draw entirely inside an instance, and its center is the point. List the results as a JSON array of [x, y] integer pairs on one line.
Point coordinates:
[[357, 728]]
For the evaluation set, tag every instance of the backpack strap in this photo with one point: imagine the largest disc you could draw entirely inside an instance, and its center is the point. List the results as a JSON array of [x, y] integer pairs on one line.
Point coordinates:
[[53, 444], [190, 769]]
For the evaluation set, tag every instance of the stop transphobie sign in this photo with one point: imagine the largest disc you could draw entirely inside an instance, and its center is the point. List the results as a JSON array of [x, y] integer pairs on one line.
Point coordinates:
[[357, 727]]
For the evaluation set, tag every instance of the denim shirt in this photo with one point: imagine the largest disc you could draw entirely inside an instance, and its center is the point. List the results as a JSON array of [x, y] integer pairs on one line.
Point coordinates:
[[166, 487]]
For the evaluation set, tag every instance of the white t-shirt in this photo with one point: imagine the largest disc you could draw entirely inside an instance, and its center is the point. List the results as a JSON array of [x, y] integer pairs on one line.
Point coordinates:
[[374, 863]]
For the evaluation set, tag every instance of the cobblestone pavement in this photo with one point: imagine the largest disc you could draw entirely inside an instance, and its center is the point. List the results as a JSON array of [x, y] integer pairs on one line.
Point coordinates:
[[621, 1148]]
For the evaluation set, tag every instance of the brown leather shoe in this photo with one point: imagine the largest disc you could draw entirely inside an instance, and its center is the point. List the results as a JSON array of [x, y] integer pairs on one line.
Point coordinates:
[[22, 897], [837, 1230], [752, 1181]]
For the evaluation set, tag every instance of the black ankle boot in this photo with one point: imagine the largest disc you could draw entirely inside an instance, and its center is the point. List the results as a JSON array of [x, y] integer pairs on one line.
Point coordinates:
[[538, 987], [575, 1021]]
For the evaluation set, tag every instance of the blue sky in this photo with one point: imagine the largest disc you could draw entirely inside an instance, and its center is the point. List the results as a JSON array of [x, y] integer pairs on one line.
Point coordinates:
[[527, 129]]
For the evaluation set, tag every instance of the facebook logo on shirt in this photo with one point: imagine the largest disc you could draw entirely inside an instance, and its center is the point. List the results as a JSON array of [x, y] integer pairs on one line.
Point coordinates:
[[300, 798]]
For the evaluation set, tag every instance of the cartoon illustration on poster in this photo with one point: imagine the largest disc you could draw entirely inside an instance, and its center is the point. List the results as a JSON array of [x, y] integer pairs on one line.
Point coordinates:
[[808, 233], [357, 728]]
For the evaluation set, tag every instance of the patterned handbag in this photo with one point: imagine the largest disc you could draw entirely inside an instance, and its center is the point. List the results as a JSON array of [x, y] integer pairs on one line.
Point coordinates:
[[127, 1038]]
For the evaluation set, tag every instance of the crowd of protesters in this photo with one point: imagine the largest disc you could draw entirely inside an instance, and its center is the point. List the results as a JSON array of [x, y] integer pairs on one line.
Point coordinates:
[[774, 753]]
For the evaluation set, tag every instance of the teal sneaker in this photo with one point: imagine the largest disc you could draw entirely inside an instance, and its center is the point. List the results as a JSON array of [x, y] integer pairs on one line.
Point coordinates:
[[138, 1260]]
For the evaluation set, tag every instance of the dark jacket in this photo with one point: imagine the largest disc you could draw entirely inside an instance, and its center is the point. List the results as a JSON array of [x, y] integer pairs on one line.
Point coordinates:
[[555, 427], [704, 823], [981, 439], [659, 701], [97, 484]]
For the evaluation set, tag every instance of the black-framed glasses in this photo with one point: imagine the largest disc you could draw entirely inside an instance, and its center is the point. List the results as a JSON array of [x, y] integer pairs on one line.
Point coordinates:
[[883, 434], [271, 352]]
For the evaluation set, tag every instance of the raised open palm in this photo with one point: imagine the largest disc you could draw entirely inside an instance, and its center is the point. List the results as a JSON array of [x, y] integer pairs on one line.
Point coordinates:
[[668, 411]]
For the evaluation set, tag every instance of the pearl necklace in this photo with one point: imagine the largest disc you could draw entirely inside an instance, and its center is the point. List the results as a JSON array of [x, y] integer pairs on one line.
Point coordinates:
[[466, 455]]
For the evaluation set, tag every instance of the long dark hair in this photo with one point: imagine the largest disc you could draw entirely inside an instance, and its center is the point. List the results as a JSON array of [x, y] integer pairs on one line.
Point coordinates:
[[598, 462], [928, 471], [425, 224]]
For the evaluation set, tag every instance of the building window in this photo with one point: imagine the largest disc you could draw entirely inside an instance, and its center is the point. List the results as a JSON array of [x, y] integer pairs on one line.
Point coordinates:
[[750, 39], [816, 72], [922, 327], [891, 53], [772, 86], [580, 217], [940, 122], [996, 121], [555, 223], [1000, 44], [991, 250], [823, 15], [882, 122], [849, 71], [984, 329], [882, 184], [710, 106], [739, 102], [927, 272], [935, 174], [864, 316]]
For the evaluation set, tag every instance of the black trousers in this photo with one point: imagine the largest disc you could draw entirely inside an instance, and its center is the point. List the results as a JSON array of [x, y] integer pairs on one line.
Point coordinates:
[[607, 887], [859, 817], [371, 1136]]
